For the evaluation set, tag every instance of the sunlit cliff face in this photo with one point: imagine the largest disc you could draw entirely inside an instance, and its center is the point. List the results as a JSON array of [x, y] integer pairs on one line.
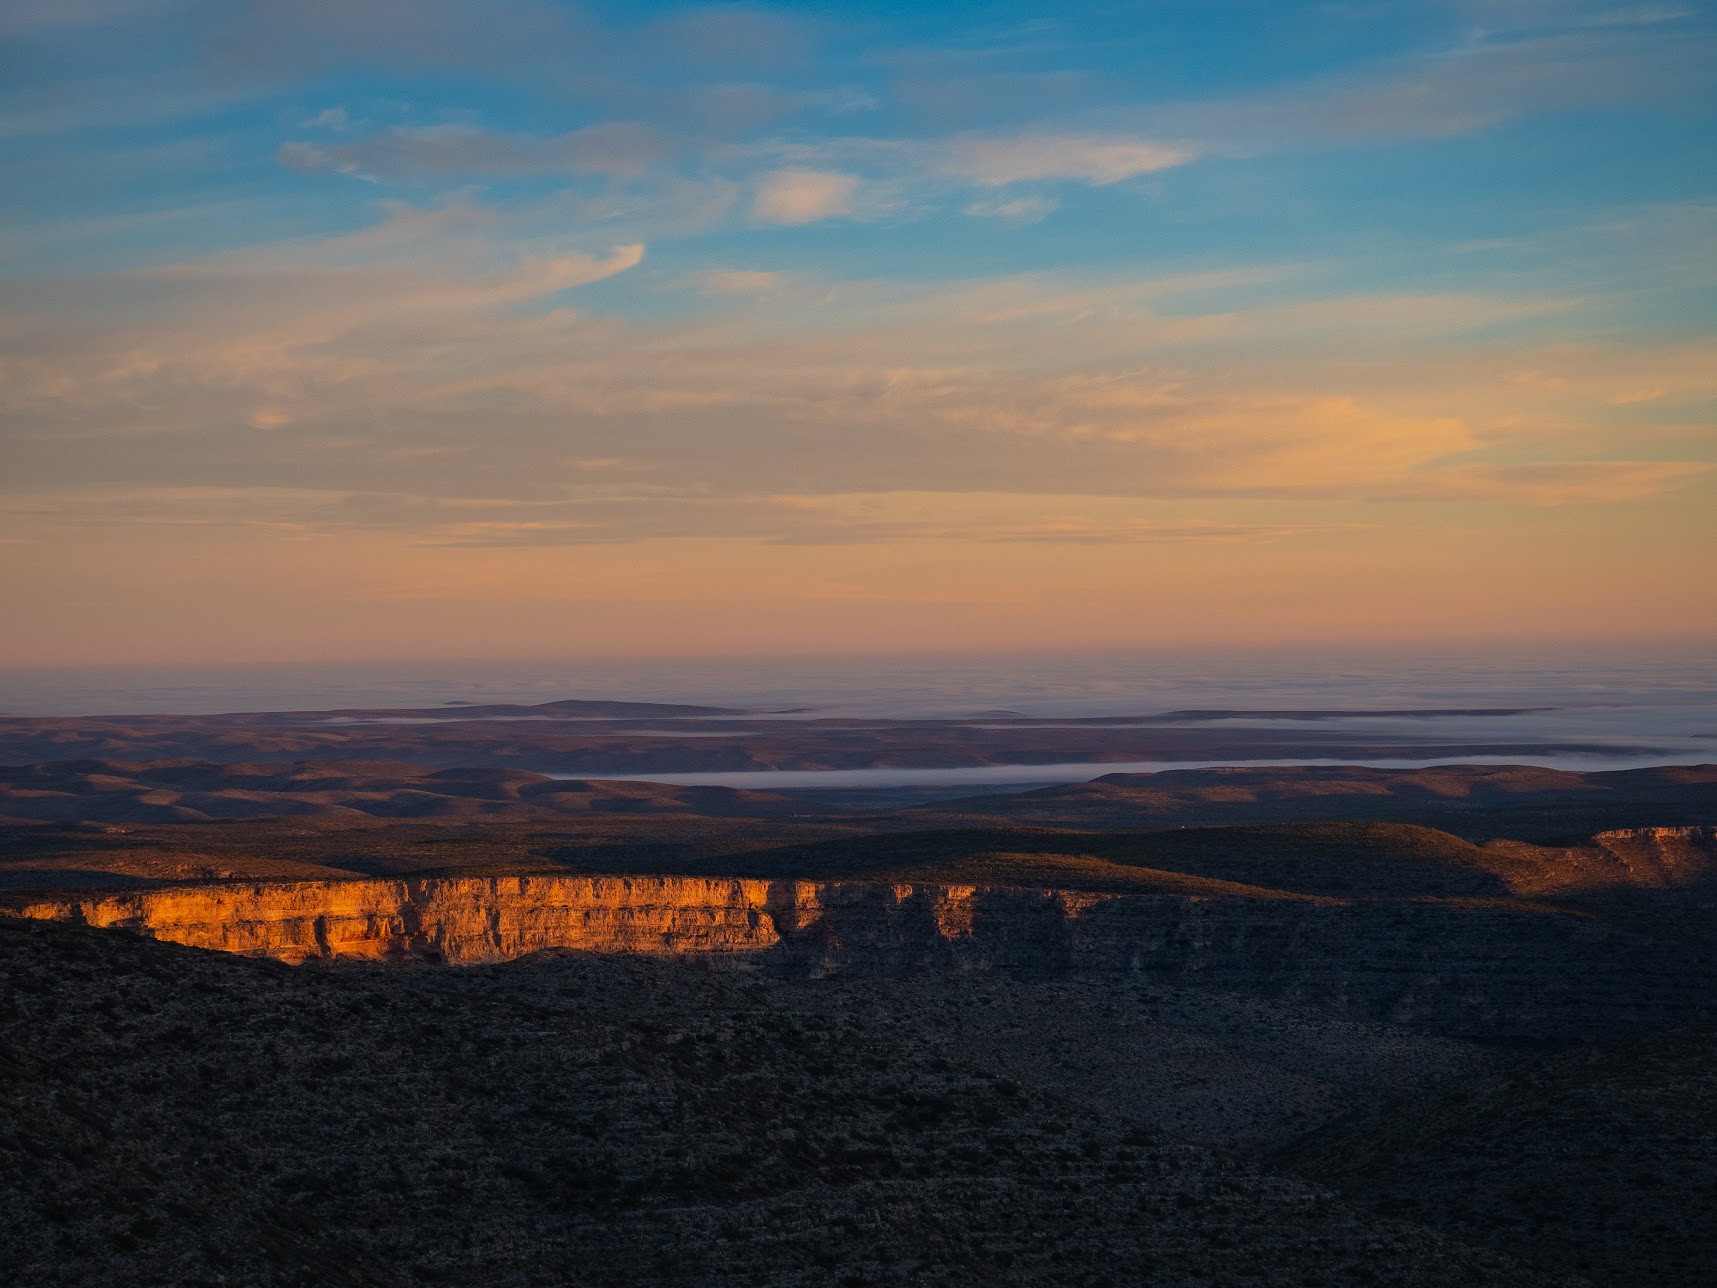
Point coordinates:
[[469, 920], [1529, 966], [1636, 858], [474, 920], [458, 921]]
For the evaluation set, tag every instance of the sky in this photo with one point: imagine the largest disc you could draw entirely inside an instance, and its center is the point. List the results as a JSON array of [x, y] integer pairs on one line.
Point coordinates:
[[371, 329]]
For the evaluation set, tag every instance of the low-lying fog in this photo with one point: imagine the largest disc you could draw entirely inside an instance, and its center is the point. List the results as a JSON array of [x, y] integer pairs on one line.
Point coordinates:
[[1629, 706], [1079, 771]]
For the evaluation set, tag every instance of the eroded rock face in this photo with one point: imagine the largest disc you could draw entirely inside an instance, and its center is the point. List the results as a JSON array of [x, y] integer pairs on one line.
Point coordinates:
[[1479, 967], [461, 920], [1633, 858], [475, 920], [1666, 858]]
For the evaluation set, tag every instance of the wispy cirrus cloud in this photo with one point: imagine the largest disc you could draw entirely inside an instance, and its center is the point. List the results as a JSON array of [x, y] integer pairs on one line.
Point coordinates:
[[800, 196], [1082, 312], [734, 281], [797, 183], [1447, 92], [615, 148], [1024, 209], [609, 515], [361, 362], [1491, 17], [1550, 483], [1045, 154], [870, 176]]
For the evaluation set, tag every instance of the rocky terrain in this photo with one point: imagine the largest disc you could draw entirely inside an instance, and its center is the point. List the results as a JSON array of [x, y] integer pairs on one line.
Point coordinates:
[[1426, 931], [1587, 1161], [541, 1031], [175, 1117]]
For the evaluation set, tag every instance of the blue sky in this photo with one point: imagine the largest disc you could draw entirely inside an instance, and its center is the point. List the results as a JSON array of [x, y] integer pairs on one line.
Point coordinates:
[[144, 132], [354, 282]]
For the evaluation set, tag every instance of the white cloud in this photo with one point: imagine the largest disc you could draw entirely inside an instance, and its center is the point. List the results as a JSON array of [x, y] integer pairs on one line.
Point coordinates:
[[415, 359], [1560, 482], [735, 281], [615, 147], [1021, 210], [1494, 17], [1448, 92], [795, 196], [1642, 15], [1097, 159]]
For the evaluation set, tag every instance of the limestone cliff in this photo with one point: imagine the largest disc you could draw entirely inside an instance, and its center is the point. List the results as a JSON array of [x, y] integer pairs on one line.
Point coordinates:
[[456, 920], [1474, 966], [474, 920]]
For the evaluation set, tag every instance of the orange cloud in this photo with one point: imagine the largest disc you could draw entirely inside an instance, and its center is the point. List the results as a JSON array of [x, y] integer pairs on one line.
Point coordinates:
[[352, 444]]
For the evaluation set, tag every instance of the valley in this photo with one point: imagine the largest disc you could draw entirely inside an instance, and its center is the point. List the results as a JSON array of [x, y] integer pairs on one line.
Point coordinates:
[[387, 1023]]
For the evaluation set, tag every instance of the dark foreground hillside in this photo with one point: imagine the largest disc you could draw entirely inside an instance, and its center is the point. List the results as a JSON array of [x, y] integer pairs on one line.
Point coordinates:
[[1601, 1160], [1298, 1054], [170, 1116]]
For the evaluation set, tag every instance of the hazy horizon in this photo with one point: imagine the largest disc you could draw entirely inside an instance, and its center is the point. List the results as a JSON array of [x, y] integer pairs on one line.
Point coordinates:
[[1664, 696]]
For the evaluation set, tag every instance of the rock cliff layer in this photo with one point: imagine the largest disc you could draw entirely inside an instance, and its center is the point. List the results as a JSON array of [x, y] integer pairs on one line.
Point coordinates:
[[1480, 967], [460, 920]]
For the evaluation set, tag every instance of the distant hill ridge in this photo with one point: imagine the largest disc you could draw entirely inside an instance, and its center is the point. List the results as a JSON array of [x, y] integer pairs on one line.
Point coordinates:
[[179, 791], [603, 738], [1523, 801], [190, 790], [1309, 860]]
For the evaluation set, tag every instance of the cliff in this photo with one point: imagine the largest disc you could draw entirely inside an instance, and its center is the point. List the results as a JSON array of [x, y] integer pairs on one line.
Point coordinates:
[[461, 921], [1479, 967]]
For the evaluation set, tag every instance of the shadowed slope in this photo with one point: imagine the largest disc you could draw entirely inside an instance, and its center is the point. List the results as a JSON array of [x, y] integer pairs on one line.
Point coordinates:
[[1478, 801], [1602, 1161], [1310, 859], [205, 1119], [1364, 859]]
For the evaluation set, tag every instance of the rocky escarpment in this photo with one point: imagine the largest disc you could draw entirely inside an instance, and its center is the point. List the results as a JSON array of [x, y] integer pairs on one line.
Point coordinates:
[[1477, 967], [461, 921], [1610, 862]]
